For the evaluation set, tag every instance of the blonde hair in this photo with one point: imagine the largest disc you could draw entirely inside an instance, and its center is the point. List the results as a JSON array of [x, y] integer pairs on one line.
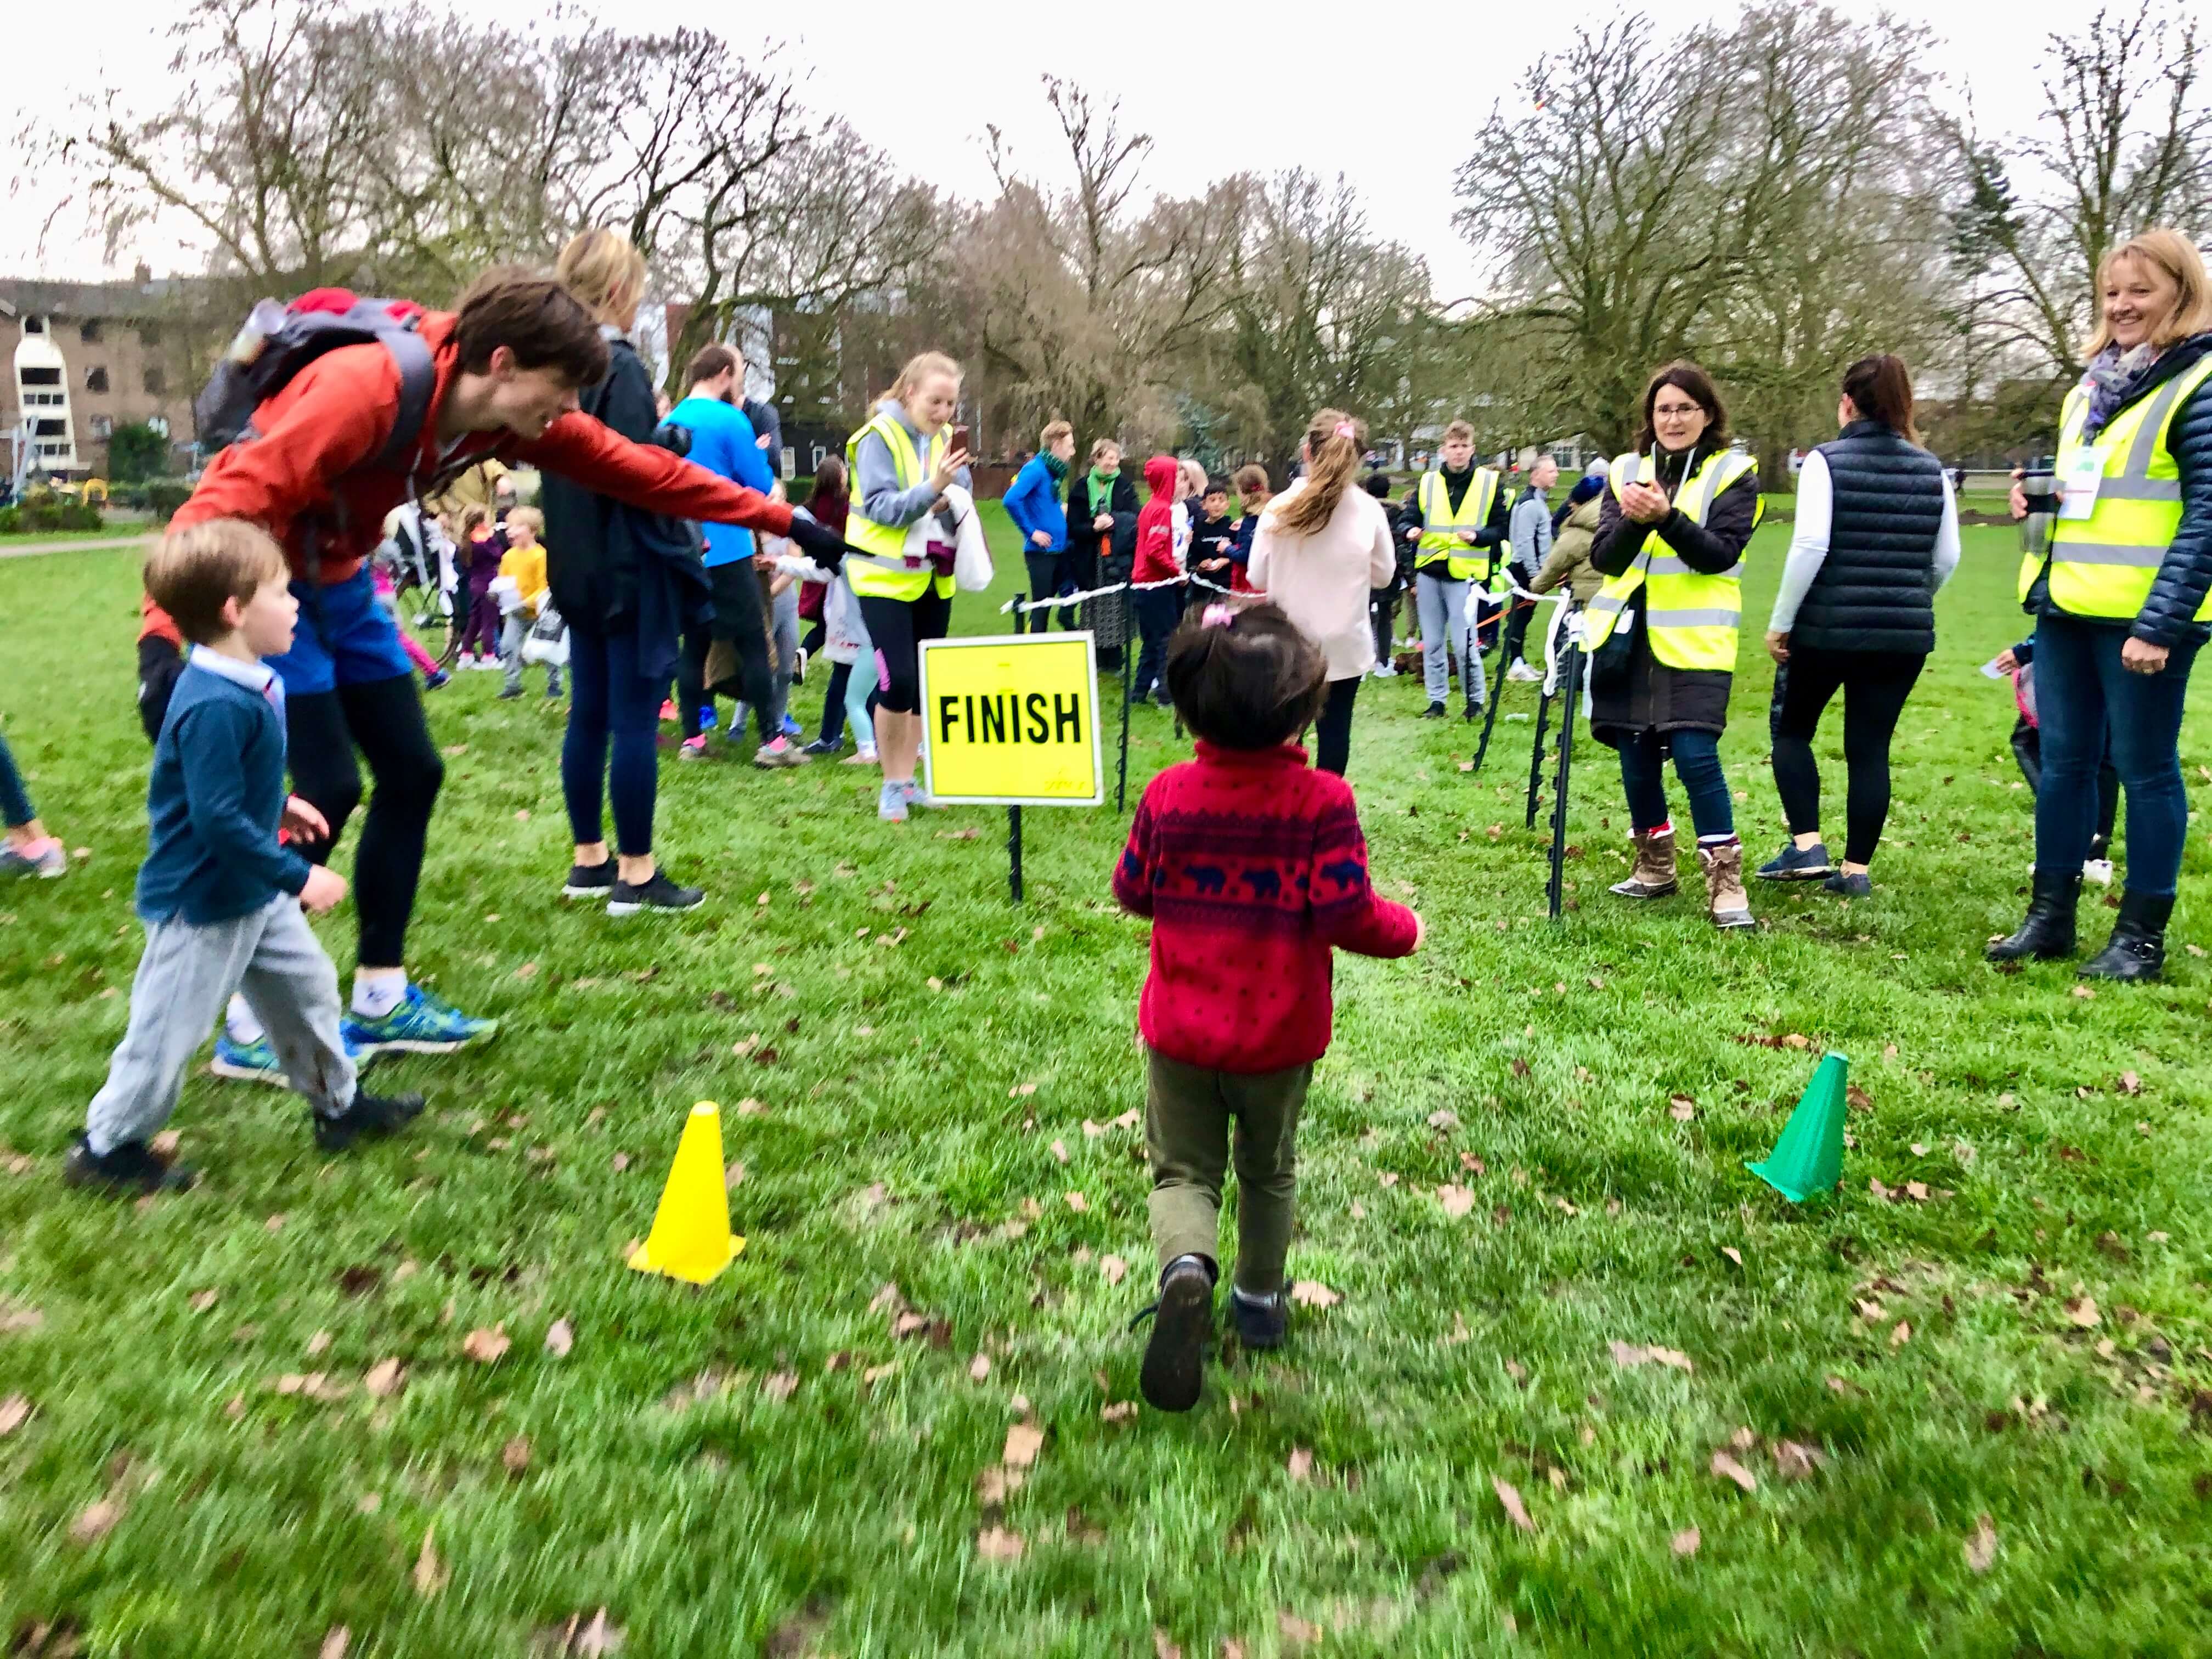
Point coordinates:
[[1335, 442], [2170, 252], [1461, 430], [918, 369], [530, 518], [193, 571], [1054, 433], [605, 272], [1098, 450]]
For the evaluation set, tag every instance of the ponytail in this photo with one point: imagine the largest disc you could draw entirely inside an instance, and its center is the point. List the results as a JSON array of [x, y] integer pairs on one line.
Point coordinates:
[[1335, 443], [1881, 389]]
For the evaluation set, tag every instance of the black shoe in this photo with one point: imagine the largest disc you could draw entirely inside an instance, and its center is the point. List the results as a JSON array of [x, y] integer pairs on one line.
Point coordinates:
[[1435, 711], [2047, 932], [590, 880], [1796, 863], [1261, 1322], [625, 899], [131, 1167], [2137, 947], [824, 746], [1474, 708], [1174, 1360], [369, 1117], [1161, 700], [1850, 886], [509, 693]]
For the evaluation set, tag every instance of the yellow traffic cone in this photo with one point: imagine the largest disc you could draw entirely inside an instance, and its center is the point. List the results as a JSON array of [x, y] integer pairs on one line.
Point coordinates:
[[691, 1239]]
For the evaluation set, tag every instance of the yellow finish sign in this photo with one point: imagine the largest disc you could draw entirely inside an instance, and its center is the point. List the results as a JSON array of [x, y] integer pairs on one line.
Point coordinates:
[[1012, 720]]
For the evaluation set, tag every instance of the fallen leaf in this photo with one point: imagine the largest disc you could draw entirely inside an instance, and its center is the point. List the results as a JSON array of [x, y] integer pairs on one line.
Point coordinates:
[[559, 1339], [1515, 1511], [1300, 1465], [515, 1454], [2084, 993], [779, 1386], [1119, 1411], [1456, 1200], [1023, 1441], [1981, 1549], [997, 1544], [2082, 1311], [1732, 1253], [1795, 1460], [203, 1300], [1901, 1335], [734, 1176], [1443, 1120], [486, 1346], [1685, 1542], [1312, 1293], [317, 1343], [96, 1522], [15, 1411], [334, 1643], [1295, 1630], [1113, 1269], [430, 1571], [1729, 1469], [1077, 1202], [1059, 1150], [1163, 1648], [386, 1378], [979, 1368], [1682, 1108]]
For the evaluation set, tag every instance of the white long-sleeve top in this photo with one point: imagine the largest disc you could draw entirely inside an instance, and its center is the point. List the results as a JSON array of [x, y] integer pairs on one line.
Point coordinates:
[[1808, 540], [1322, 581]]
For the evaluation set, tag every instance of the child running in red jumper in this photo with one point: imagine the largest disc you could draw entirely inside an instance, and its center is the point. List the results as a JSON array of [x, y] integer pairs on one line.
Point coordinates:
[[1253, 868]]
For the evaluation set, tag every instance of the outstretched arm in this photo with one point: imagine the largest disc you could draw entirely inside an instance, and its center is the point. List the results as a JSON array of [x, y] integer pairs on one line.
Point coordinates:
[[646, 476]]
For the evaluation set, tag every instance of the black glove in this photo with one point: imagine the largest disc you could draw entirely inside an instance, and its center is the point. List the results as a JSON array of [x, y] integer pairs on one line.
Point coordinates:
[[818, 542]]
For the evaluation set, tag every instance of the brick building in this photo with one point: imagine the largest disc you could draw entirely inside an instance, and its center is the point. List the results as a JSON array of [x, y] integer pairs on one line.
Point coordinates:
[[79, 359]]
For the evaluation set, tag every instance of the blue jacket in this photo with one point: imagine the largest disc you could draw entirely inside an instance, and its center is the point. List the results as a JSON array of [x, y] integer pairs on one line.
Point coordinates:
[[722, 441], [213, 805], [1034, 504]]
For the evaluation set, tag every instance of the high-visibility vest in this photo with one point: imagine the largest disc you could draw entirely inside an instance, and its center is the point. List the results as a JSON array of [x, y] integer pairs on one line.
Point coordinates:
[[884, 574], [1692, 617], [2104, 565], [1440, 524]]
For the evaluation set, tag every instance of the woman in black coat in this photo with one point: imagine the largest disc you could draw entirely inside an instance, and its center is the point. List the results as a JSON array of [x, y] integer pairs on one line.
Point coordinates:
[[1102, 543], [619, 580]]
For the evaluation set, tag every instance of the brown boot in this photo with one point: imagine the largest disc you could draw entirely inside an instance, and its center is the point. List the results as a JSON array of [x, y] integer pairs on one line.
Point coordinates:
[[1724, 894], [1654, 875]]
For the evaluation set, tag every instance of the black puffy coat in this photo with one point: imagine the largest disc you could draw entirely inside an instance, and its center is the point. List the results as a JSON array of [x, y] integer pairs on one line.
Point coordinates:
[[1876, 590], [592, 570]]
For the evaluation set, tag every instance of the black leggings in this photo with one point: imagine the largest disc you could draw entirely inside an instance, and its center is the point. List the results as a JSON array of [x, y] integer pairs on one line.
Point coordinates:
[[1332, 728], [739, 618], [1875, 684], [898, 627], [383, 720]]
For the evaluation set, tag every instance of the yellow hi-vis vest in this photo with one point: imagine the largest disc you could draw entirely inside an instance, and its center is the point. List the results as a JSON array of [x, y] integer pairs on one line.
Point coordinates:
[[1692, 617], [1440, 542], [2104, 565], [884, 574]]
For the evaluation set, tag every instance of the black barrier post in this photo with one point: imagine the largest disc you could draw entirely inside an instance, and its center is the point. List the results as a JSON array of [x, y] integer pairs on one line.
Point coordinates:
[[1128, 679], [1537, 757], [1571, 662], [1497, 696], [1014, 852]]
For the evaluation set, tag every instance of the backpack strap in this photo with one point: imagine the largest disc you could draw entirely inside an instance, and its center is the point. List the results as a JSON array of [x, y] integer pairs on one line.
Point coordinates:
[[418, 378]]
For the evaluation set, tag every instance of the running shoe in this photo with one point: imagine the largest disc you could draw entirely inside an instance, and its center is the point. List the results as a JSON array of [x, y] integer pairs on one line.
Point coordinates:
[[825, 746], [587, 881], [792, 728], [1521, 674], [667, 709], [129, 1166], [369, 1117], [692, 748], [419, 1024], [656, 892], [47, 863], [438, 680], [257, 1062], [891, 804], [781, 753], [1796, 863]]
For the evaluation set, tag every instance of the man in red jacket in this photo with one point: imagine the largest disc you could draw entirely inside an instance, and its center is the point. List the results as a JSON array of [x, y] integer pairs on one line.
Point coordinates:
[[508, 366]]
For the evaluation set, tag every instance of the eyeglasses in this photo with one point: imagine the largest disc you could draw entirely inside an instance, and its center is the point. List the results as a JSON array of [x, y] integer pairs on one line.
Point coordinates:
[[1677, 409]]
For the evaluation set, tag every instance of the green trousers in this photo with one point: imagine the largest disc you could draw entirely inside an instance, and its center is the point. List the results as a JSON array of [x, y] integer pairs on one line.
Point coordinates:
[[1190, 1114]]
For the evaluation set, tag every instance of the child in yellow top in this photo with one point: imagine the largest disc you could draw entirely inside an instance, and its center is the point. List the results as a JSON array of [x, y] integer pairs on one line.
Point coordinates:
[[524, 564]]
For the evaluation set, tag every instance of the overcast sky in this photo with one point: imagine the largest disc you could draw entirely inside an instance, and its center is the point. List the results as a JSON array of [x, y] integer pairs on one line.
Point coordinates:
[[1230, 88]]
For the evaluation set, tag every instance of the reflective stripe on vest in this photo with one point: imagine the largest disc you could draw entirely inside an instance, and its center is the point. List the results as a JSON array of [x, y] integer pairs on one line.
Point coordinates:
[[883, 573], [1438, 521], [2105, 565], [1693, 617]]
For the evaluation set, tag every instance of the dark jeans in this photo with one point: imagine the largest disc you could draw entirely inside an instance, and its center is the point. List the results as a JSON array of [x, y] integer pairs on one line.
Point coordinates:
[[739, 618], [1382, 612], [2027, 749], [1696, 764], [2081, 692], [1050, 573], [1874, 684], [1332, 728], [1158, 610], [611, 704], [16, 809], [897, 628], [1517, 622], [382, 718]]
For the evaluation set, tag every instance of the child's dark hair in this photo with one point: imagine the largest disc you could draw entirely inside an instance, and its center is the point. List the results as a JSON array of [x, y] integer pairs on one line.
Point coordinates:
[[1376, 485], [1243, 676], [1216, 485]]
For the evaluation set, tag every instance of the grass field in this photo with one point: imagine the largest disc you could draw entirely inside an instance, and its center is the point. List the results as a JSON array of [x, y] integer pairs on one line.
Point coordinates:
[[2005, 1386]]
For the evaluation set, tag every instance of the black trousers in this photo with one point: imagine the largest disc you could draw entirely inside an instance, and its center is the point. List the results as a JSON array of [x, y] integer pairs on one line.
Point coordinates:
[[383, 720], [1516, 622], [1050, 573], [740, 619], [1874, 684], [1333, 729]]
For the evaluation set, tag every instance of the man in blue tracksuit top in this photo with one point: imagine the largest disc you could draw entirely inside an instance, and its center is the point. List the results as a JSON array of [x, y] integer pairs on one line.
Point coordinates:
[[1034, 504], [723, 441]]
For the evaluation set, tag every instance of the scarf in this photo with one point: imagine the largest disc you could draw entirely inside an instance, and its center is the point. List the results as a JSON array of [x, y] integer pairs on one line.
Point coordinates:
[[1054, 465], [1102, 489], [2106, 380]]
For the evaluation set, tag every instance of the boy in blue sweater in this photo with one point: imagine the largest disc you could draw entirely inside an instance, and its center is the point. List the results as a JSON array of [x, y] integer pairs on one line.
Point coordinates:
[[220, 895], [1033, 502]]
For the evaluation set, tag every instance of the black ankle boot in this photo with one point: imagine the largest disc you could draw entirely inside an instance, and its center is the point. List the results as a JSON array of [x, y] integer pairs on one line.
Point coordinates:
[[2048, 930], [2137, 948], [1174, 1371]]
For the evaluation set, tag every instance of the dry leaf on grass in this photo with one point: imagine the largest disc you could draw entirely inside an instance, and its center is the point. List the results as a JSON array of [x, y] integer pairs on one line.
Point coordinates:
[[1682, 1108], [1077, 1202], [778, 1386], [996, 1486], [1301, 1463], [583, 1638], [1312, 1293], [96, 1522], [1119, 1411], [15, 1411], [165, 1144], [1456, 1200], [1901, 1335], [1162, 1647], [979, 1368], [486, 1346], [1443, 1120], [997, 1544], [1023, 1441], [334, 1643], [1981, 1549], [429, 1571], [1515, 1511], [318, 1344], [1732, 1253], [386, 1378], [560, 1337], [515, 1454], [1296, 1630], [2082, 1311], [1686, 1541], [1059, 1150], [1113, 1269], [1631, 1354], [1729, 1469]]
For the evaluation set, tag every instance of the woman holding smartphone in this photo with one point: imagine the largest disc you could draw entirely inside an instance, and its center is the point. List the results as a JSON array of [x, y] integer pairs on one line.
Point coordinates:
[[900, 464], [2119, 599]]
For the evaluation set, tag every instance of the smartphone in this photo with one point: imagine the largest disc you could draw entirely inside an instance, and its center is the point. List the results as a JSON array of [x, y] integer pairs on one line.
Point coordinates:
[[958, 443]]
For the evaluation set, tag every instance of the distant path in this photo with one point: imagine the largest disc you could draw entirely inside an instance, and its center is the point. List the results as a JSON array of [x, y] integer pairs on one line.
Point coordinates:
[[13, 550]]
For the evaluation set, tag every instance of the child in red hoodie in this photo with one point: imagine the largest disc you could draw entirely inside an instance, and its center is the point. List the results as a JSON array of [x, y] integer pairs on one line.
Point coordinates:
[[1252, 867], [1157, 608]]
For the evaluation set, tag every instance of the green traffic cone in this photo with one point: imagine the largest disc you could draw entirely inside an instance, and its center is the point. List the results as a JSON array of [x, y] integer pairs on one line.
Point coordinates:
[[1808, 1158]]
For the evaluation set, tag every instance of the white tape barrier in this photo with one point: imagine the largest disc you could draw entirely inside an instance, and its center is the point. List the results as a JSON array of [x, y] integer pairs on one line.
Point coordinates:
[[1118, 588]]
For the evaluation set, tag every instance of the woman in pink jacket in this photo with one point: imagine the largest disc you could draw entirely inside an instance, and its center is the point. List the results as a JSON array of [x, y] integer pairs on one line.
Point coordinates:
[[1321, 546]]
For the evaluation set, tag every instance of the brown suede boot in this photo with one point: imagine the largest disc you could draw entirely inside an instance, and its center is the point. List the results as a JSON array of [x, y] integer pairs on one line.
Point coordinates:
[[1724, 894], [1654, 875]]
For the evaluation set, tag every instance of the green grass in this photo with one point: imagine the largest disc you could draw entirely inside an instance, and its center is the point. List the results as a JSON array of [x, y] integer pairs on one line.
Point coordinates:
[[892, 1145]]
